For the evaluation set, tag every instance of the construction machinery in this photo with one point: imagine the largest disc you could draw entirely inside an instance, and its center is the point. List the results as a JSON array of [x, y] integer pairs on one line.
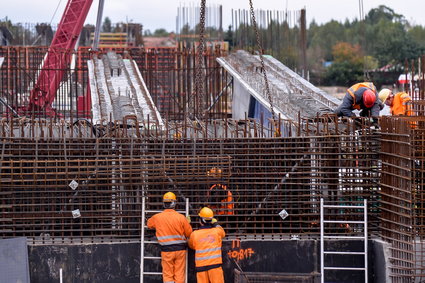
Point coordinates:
[[58, 57]]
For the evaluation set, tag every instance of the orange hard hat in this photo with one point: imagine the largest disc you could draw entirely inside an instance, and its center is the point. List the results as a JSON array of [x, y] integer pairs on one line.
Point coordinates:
[[206, 213], [369, 98], [214, 172], [169, 197]]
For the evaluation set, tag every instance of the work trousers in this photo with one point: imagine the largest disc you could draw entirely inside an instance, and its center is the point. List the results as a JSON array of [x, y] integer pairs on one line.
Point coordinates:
[[173, 266], [214, 275]]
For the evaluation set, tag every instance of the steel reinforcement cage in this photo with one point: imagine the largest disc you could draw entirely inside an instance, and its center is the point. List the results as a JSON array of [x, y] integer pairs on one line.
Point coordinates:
[[169, 74], [402, 217], [48, 176]]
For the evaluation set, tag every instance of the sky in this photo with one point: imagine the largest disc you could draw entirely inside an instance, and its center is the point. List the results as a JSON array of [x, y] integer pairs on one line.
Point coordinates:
[[154, 14]]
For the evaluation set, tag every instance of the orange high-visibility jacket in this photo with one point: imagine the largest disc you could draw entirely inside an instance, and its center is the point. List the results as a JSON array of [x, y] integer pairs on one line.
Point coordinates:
[[227, 205], [172, 230], [400, 104], [355, 87], [207, 245]]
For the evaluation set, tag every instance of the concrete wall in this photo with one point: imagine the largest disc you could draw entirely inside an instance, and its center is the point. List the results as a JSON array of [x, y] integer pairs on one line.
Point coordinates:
[[111, 263]]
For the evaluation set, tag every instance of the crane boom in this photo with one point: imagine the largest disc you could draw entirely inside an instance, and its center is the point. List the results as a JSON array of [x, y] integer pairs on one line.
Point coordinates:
[[59, 56]]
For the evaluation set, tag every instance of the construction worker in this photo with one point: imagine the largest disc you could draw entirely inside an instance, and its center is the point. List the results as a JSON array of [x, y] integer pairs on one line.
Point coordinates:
[[363, 97], [206, 241], [172, 232], [398, 103], [219, 196]]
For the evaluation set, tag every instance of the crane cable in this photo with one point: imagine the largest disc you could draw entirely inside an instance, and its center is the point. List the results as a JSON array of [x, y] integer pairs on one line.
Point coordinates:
[[263, 69]]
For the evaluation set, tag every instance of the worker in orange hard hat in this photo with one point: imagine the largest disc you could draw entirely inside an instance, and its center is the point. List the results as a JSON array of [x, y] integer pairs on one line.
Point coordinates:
[[363, 97], [398, 103], [219, 197], [207, 243], [172, 232]]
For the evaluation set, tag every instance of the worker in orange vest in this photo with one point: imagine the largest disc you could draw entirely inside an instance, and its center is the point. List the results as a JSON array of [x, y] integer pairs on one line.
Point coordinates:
[[363, 97], [219, 196], [172, 232], [398, 103], [207, 242]]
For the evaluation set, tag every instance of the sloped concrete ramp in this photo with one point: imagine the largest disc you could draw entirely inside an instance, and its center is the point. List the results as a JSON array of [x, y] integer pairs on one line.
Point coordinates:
[[118, 91], [291, 94]]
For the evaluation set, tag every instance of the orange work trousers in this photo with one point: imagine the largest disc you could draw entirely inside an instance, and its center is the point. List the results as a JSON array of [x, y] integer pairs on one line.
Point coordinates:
[[214, 275], [173, 266]]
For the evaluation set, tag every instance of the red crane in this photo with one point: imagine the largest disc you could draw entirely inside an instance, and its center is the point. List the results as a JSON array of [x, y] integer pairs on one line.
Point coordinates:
[[58, 57]]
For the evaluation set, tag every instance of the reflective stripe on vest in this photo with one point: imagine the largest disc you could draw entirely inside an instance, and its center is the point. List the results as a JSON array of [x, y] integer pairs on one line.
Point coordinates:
[[208, 250], [176, 239], [355, 87], [207, 247], [207, 257]]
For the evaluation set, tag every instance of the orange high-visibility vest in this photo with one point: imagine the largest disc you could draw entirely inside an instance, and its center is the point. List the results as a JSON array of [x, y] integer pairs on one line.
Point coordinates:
[[207, 243], [355, 87], [172, 229], [400, 104], [227, 205]]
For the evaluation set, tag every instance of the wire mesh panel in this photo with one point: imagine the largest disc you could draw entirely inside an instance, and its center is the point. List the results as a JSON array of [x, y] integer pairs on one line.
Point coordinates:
[[72, 186], [402, 195]]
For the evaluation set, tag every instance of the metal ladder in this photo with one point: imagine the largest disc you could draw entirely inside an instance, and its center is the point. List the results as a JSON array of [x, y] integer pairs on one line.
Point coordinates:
[[143, 242], [324, 252]]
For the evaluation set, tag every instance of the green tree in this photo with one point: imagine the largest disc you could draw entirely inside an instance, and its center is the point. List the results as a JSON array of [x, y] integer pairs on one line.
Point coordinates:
[[327, 36], [383, 13], [391, 43], [343, 73], [417, 34], [161, 32], [347, 67], [344, 51], [370, 63], [107, 25]]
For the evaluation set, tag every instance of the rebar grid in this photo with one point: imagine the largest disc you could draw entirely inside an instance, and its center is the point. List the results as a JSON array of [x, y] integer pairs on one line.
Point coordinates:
[[402, 195], [168, 72], [265, 176]]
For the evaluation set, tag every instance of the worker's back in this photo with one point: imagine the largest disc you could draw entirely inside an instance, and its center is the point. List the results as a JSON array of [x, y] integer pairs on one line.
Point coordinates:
[[172, 229], [207, 242], [400, 104]]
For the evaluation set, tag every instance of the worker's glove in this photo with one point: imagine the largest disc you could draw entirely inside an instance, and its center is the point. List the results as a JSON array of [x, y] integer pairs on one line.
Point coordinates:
[[188, 219], [214, 221]]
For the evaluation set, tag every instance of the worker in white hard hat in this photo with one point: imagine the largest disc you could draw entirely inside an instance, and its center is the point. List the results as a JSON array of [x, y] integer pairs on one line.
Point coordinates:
[[398, 103], [172, 231], [207, 243]]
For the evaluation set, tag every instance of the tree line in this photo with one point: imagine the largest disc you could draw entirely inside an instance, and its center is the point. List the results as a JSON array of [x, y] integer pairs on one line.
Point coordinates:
[[341, 53]]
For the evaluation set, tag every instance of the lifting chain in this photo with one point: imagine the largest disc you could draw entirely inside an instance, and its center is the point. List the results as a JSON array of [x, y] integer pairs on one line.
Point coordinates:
[[260, 49], [199, 81]]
